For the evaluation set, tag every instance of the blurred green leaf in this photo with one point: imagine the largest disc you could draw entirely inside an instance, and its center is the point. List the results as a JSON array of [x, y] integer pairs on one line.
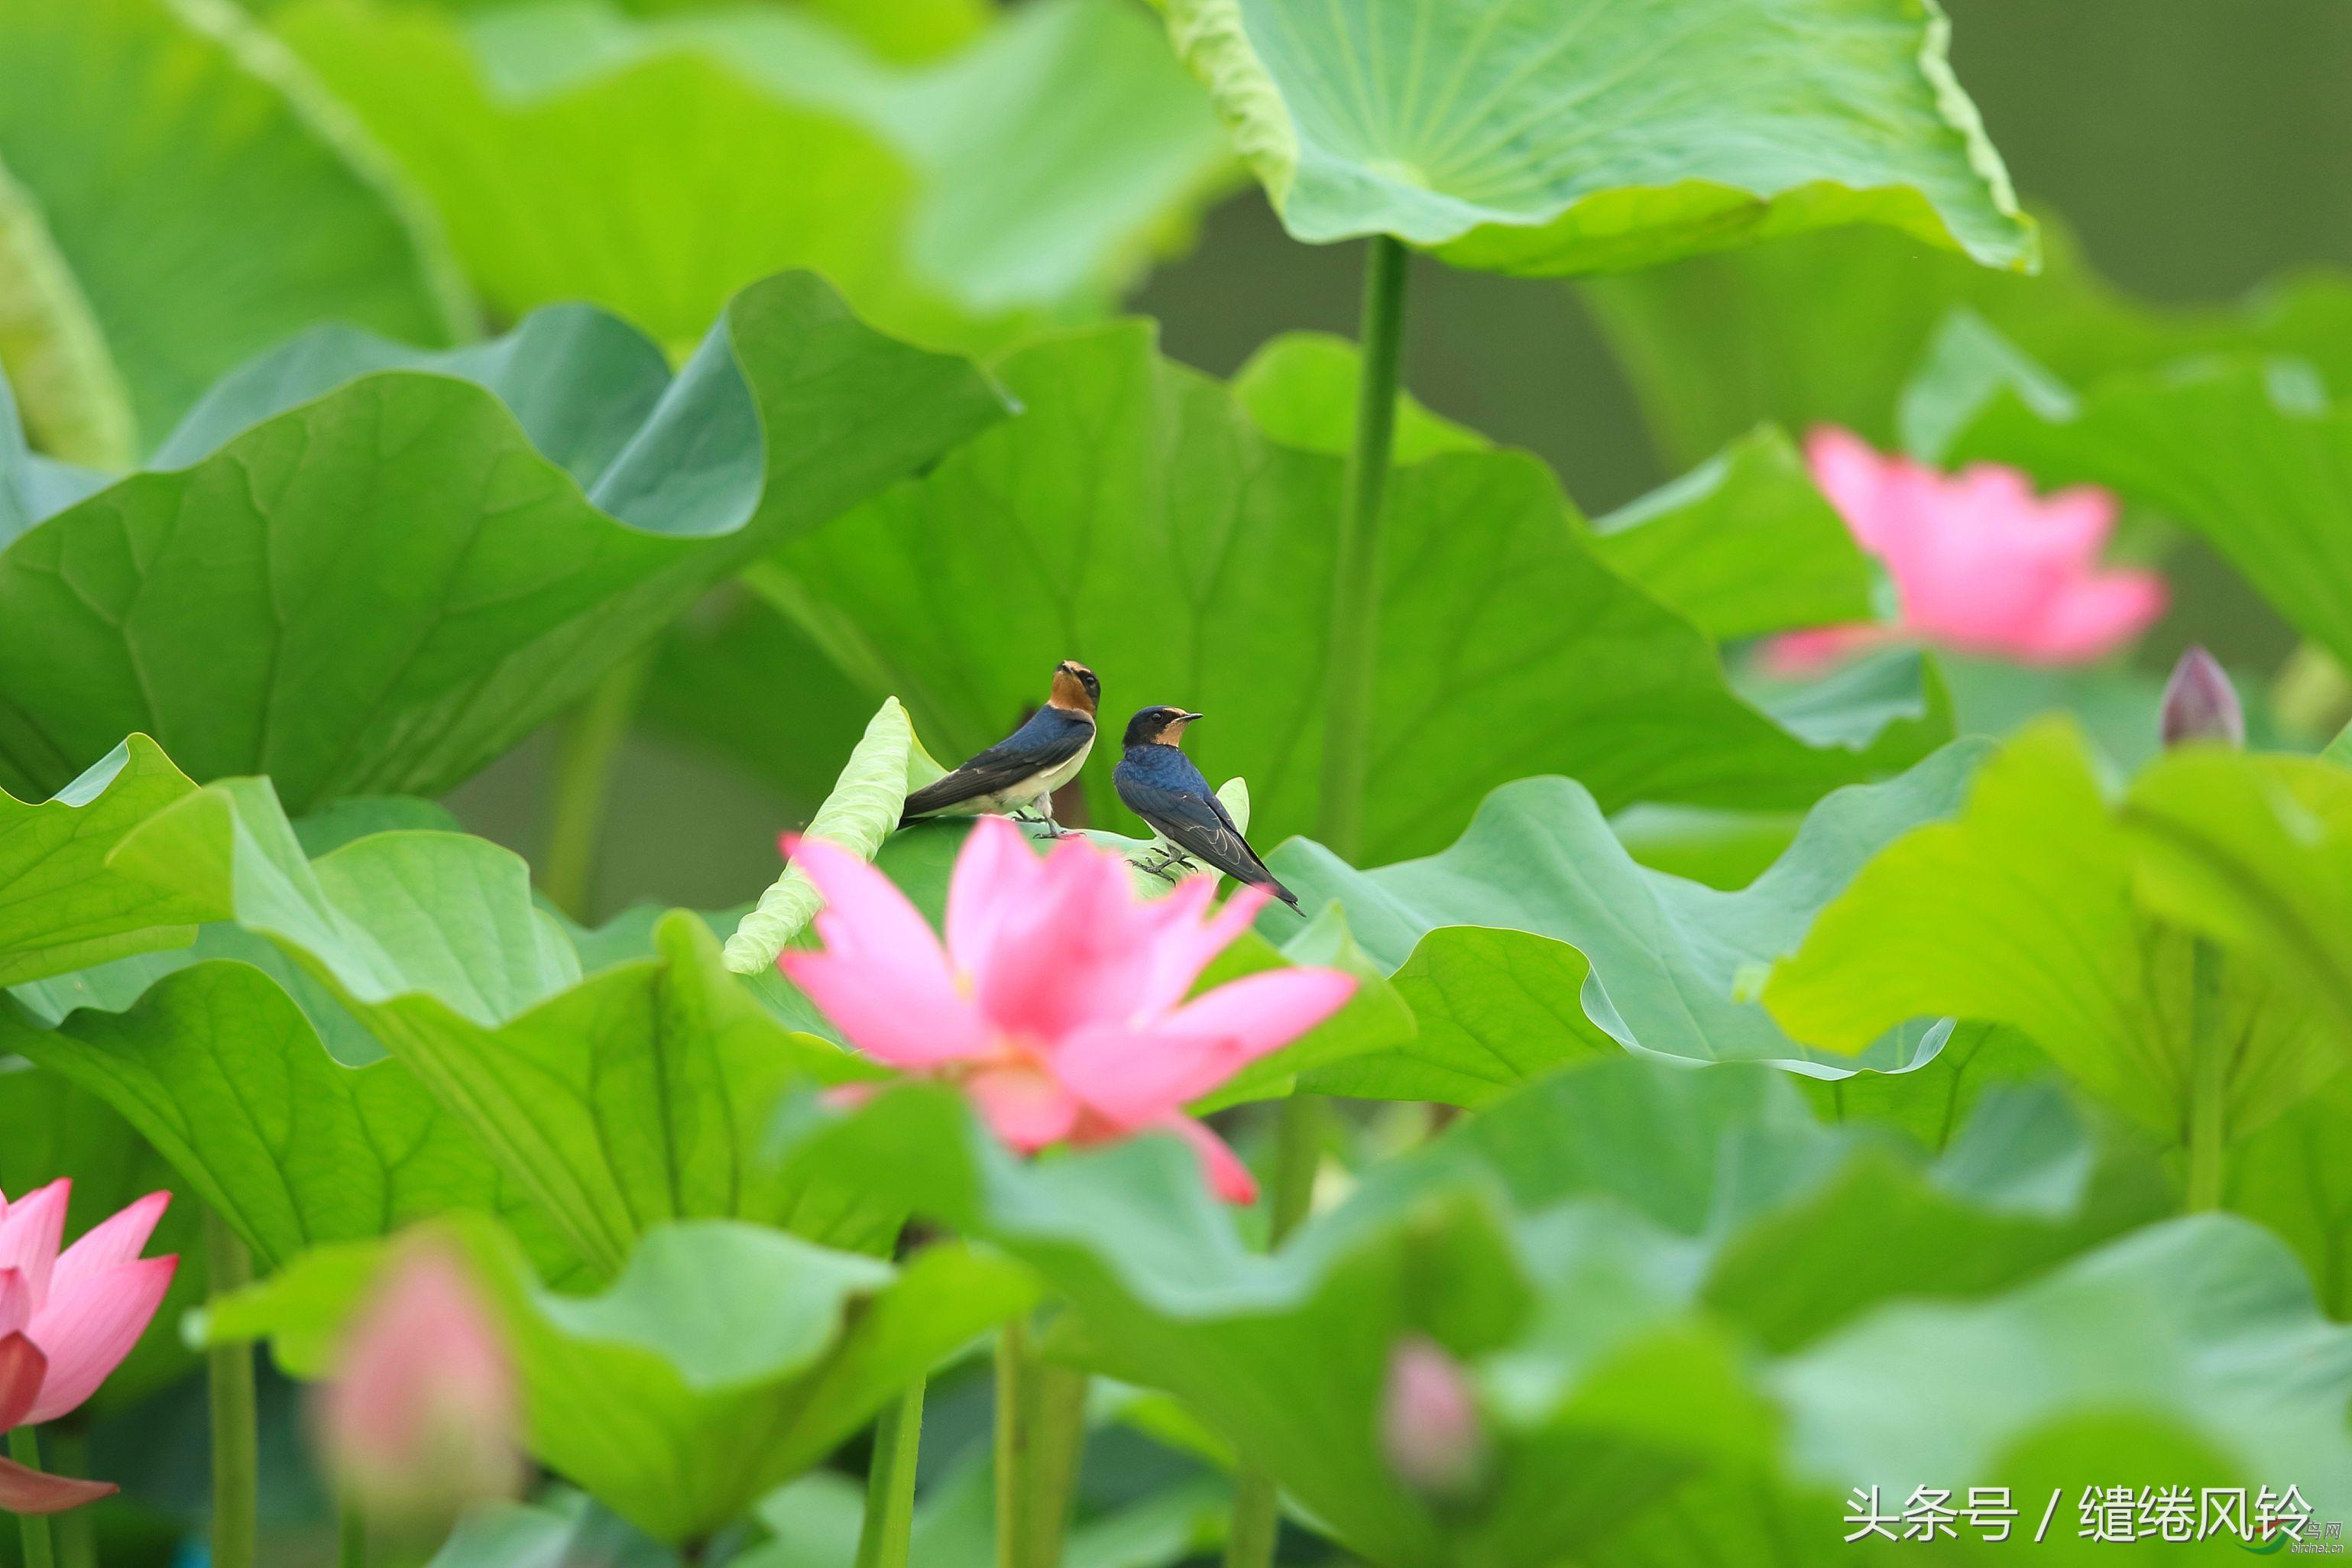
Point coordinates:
[[2042, 906], [218, 1068], [450, 548], [721, 1340], [1828, 328], [200, 198], [65, 910], [1660, 1281], [1580, 137], [2237, 452], [1743, 545], [1536, 939], [1030, 174], [1136, 518], [635, 1095]]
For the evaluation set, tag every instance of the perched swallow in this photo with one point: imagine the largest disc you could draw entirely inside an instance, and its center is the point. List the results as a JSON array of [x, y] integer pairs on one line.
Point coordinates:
[[1019, 774], [1160, 784]]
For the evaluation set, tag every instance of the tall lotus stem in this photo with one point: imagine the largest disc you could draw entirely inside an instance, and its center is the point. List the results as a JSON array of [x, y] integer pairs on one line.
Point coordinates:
[[237, 1449], [890, 1525]]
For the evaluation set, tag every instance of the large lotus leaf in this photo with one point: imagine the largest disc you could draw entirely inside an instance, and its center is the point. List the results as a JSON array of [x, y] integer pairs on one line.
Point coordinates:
[[1742, 545], [433, 580], [635, 1095], [220, 1070], [726, 1360], [199, 197], [655, 166], [1537, 938], [48, 1129], [1559, 136], [65, 910], [1136, 518], [1828, 328], [2240, 452], [2043, 906], [1610, 1301]]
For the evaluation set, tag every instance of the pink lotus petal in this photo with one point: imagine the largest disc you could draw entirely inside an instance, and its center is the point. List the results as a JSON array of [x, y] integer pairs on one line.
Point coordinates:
[[1189, 948], [31, 1492], [116, 1239], [1261, 1013], [1979, 562], [1227, 1177], [88, 1329], [2094, 615], [995, 873], [882, 978], [22, 1368], [16, 1302], [31, 1231], [1024, 1106], [907, 1026]]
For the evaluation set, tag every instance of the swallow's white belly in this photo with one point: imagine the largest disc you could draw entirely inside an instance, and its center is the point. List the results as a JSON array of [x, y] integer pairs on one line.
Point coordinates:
[[1030, 790]]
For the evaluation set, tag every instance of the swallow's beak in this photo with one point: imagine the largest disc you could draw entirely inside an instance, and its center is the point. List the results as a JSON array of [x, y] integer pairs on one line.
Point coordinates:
[[1193, 718]]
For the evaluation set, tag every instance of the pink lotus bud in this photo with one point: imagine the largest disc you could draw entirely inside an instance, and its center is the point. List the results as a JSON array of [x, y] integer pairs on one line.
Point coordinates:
[[2200, 703], [1431, 1433], [423, 1416]]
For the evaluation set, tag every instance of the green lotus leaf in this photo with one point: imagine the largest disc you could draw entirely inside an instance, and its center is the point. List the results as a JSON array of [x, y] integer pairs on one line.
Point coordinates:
[[615, 1101], [1662, 1281], [1536, 939], [1742, 545], [721, 1339], [260, 211], [221, 1071], [1577, 136], [64, 909], [1135, 518], [2050, 908], [2243, 454], [448, 549], [1829, 328], [1029, 175]]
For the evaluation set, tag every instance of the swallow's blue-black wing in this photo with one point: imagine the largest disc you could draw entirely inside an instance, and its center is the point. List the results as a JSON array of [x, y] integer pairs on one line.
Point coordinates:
[[1051, 737], [1195, 821]]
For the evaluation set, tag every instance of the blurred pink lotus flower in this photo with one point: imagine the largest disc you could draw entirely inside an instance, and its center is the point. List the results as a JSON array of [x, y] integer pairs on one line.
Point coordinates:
[[1431, 1432], [66, 1320], [1979, 564], [422, 1417], [1058, 1003]]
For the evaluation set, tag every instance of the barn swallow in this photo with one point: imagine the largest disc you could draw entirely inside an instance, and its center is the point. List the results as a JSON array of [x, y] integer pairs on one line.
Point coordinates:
[[1160, 784], [1019, 774]]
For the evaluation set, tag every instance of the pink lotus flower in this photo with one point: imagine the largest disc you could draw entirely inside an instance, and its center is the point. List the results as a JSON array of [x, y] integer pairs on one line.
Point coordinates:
[[66, 1322], [421, 1420], [1980, 565], [1058, 1004]]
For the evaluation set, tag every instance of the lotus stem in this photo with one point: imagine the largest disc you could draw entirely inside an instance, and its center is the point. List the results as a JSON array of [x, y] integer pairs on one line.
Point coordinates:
[[1040, 1434], [890, 1525], [351, 1538], [41, 1548], [76, 1536], [237, 1449], [584, 787], [2208, 1080], [1356, 572], [1299, 1140]]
